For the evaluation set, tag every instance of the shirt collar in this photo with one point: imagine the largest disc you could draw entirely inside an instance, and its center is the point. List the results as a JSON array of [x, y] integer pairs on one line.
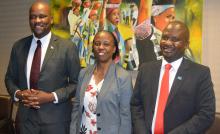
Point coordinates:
[[43, 39], [175, 64]]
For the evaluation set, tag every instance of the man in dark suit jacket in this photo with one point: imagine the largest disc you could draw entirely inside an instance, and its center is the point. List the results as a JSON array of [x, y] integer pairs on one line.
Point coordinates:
[[45, 109], [190, 106]]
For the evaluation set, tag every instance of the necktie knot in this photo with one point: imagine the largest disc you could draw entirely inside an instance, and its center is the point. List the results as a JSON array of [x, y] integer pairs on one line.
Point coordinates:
[[168, 66], [38, 43]]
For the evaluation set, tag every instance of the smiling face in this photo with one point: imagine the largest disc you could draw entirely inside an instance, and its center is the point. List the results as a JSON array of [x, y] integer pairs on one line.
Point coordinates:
[[174, 41], [40, 19], [103, 46]]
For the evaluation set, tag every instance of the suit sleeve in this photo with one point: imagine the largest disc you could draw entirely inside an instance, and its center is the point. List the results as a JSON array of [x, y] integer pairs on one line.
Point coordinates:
[[11, 77], [205, 115], [73, 69], [76, 106], [125, 96], [137, 110]]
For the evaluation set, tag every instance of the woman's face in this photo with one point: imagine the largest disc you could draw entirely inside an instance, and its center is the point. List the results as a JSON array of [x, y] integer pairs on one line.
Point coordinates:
[[114, 16], [103, 47]]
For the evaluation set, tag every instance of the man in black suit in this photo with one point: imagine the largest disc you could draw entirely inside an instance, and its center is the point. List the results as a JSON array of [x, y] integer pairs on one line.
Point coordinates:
[[44, 108], [190, 103]]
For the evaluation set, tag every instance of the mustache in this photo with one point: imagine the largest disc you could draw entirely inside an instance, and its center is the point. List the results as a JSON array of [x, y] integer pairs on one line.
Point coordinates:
[[167, 45], [39, 24]]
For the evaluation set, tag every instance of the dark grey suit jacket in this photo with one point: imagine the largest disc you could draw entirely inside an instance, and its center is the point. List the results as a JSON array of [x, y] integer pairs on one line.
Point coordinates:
[[59, 74], [113, 102], [190, 108]]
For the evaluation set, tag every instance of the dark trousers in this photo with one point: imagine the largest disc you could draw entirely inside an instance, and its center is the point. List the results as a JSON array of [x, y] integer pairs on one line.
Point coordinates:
[[31, 127]]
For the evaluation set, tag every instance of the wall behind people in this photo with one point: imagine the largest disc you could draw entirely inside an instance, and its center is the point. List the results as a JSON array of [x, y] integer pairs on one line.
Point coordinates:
[[211, 40], [14, 24]]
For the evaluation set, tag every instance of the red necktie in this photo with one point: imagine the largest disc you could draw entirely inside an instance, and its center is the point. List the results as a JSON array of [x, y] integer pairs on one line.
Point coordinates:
[[164, 93], [35, 68]]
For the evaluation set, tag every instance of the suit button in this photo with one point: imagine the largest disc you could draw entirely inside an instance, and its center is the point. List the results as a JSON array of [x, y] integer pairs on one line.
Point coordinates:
[[99, 128], [98, 114]]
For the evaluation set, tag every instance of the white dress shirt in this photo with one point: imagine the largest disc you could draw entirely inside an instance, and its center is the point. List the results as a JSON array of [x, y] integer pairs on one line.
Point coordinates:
[[172, 73], [44, 45]]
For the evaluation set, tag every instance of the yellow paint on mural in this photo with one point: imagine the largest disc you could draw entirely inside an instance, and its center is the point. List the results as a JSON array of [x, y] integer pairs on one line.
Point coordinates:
[[193, 18], [126, 31]]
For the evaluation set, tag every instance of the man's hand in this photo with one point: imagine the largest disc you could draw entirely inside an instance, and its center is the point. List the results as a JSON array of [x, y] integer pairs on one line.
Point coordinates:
[[34, 98], [40, 97], [27, 98], [23, 94]]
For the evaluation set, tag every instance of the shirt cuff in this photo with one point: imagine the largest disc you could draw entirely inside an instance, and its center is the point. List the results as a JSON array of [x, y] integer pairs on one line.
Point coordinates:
[[15, 98], [56, 98]]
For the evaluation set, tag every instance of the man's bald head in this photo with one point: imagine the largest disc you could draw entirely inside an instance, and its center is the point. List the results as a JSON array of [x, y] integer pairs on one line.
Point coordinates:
[[40, 4], [180, 26]]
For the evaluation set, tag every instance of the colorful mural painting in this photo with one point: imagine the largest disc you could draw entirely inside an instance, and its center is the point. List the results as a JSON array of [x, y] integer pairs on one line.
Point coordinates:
[[137, 24]]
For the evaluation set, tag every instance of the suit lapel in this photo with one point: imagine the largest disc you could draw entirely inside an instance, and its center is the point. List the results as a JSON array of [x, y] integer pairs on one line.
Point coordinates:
[[155, 80], [178, 80], [108, 81], [50, 50], [154, 88], [105, 86], [25, 54], [86, 79]]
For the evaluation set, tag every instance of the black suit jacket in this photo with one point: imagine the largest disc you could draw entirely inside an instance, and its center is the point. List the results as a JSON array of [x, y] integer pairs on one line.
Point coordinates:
[[59, 74], [190, 108]]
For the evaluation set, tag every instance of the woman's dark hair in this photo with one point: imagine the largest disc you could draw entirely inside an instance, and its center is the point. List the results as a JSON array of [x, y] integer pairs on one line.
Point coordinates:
[[115, 41]]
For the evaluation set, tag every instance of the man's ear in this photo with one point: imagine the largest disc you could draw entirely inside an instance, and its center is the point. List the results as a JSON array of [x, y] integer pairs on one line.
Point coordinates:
[[187, 44]]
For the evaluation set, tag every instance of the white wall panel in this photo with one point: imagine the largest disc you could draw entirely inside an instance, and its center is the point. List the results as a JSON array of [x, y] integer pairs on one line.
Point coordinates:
[[211, 43]]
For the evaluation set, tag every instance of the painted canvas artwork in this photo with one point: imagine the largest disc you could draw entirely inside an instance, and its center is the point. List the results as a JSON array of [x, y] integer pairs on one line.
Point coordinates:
[[137, 25]]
